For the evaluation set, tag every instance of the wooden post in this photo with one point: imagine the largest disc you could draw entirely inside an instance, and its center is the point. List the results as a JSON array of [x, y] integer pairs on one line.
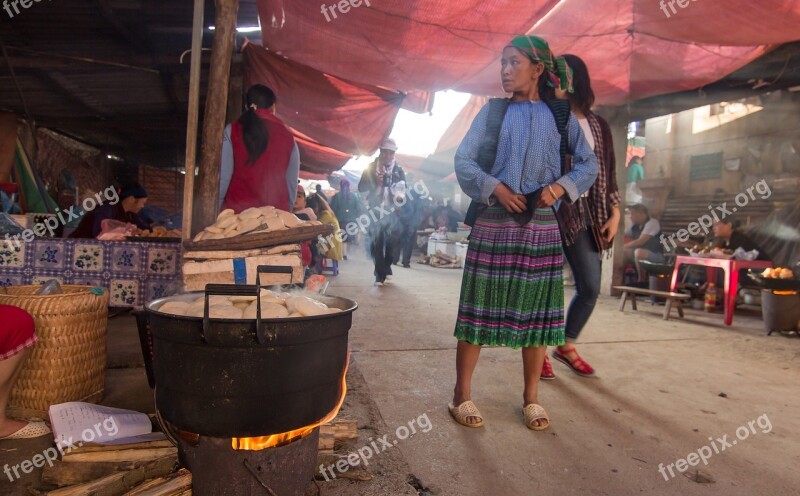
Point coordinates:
[[194, 116], [236, 93], [216, 110]]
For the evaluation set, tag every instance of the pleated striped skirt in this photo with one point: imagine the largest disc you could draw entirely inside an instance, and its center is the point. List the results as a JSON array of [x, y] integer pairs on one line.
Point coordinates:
[[512, 293]]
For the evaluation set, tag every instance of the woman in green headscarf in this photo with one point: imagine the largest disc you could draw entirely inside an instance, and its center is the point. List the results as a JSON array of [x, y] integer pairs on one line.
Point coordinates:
[[512, 291]]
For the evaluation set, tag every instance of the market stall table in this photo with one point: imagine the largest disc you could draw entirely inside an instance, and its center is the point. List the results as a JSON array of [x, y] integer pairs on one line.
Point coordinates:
[[731, 270], [133, 272]]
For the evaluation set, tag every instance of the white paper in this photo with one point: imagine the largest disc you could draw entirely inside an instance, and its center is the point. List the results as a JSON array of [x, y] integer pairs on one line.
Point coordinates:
[[78, 423]]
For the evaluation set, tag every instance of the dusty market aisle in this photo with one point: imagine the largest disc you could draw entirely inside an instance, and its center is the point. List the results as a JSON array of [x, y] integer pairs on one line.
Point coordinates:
[[663, 389]]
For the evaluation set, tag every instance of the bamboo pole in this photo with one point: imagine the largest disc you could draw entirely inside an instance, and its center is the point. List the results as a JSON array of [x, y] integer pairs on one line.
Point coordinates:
[[216, 112], [194, 115]]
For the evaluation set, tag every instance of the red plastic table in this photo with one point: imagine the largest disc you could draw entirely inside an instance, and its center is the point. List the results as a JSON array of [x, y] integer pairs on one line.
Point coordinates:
[[731, 269]]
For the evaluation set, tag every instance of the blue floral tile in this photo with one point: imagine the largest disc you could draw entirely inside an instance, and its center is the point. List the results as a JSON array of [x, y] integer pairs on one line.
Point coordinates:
[[157, 289], [6, 281], [49, 255], [12, 255], [124, 292], [125, 259], [162, 262], [87, 257]]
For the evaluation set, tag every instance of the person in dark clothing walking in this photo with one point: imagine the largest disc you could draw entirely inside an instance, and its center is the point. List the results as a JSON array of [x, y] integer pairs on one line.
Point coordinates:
[[379, 182], [410, 216]]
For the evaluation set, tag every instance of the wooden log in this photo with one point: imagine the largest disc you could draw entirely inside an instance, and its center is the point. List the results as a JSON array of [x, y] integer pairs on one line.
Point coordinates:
[[63, 474], [122, 455], [120, 482], [98, 448], [176, 483], [216, 109]]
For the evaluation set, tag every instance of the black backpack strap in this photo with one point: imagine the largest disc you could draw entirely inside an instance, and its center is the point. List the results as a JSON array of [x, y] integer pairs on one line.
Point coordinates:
[[487, 153], [561, 113]]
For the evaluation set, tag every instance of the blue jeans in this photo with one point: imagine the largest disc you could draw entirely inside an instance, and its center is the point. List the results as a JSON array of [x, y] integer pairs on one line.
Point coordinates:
[[584, 259]]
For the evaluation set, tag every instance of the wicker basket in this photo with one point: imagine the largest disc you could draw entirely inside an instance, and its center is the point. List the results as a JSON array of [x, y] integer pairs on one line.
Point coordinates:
[[68, 362]]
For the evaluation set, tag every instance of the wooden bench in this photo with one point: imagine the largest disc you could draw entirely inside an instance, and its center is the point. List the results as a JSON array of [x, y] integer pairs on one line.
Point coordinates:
[[629, 292]]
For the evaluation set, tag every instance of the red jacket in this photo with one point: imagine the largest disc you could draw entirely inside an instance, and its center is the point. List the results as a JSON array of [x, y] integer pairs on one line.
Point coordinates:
[[263, 182]]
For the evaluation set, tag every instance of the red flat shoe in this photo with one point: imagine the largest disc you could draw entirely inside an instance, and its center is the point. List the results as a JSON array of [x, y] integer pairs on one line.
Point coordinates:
[[547, 371], [579, 365]]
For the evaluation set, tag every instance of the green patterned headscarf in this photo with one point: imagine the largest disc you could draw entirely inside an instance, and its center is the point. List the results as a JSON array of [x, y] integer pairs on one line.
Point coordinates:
[[559, 74]]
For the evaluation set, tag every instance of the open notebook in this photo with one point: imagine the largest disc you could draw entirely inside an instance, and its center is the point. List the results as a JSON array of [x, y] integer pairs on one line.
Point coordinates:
[[76, 424]]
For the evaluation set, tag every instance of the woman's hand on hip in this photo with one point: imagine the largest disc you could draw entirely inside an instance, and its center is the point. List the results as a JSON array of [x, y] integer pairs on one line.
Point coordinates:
[[511, 201]]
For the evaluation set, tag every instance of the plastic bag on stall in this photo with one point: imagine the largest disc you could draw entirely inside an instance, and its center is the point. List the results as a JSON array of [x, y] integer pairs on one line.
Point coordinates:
[[114, 230], [9, 226], [51, 287], [740, 254]]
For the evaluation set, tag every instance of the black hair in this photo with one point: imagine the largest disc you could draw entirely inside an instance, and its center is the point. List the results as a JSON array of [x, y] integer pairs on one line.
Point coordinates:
[[254, 132], [640, 208], [317, 203], [583, 97], [546, 92]]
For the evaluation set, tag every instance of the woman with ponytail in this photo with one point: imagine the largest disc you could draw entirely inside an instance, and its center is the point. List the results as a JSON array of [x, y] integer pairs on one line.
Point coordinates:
[[588, 225], [260, 160]]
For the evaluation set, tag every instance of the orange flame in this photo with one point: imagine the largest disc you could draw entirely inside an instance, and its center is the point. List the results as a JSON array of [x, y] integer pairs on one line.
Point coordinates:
[[784, 292], [264, 442]]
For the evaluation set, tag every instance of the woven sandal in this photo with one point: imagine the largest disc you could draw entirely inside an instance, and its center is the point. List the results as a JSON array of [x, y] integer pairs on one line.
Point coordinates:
[[464, 411], [30, 431], [533, 412], [579, 365], [547, 371]]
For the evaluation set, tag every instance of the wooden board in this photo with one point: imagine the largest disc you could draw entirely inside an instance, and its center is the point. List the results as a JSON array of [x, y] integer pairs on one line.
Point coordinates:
[[153, 239], [225, 254], [650, 292], [254, 241], [121, 455]]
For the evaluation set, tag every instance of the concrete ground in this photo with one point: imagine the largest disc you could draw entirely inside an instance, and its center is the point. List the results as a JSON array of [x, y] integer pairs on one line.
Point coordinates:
[[662, 390]]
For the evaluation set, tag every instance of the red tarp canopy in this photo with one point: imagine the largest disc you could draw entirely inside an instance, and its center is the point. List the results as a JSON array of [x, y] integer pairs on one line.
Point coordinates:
[[331, 71], [633, 49], [338, 118]]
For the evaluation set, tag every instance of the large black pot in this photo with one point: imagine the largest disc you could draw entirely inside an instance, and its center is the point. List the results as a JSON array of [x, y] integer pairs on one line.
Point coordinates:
[[248, 378]]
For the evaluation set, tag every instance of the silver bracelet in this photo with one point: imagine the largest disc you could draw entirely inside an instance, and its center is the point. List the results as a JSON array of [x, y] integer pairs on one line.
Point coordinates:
[[550, 188]]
